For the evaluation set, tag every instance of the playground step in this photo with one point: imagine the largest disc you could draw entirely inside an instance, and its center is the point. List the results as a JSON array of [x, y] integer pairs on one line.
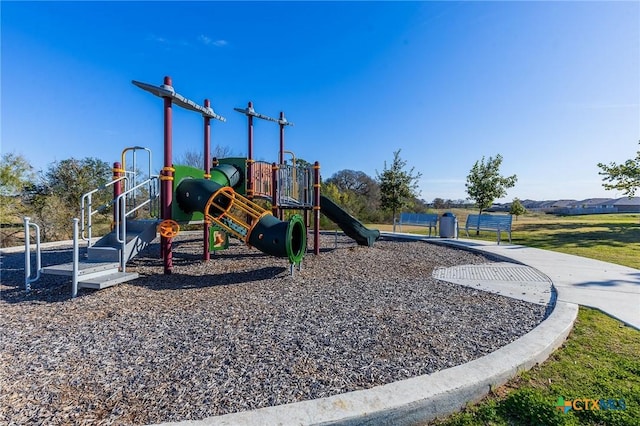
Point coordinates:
[[104, 254], [139, 234], [85, 269], [104, 281]]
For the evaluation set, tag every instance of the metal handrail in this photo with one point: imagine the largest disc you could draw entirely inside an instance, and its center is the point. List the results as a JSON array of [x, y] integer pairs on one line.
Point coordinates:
[[88, 197], [28, 279], [134, 166], [122, 213], [294, 185], [134, 149], [76, 259]]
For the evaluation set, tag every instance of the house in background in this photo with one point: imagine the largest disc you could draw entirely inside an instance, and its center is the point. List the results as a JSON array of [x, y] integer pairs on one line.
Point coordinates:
[[578, 207], [627, 205], [588, 206]]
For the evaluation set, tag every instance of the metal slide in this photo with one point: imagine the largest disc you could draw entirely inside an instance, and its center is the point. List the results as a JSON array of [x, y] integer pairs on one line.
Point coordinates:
[[349, 224], [241, 217]]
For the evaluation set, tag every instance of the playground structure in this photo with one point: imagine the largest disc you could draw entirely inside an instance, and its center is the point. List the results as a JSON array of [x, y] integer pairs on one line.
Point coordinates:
[[222, 198]]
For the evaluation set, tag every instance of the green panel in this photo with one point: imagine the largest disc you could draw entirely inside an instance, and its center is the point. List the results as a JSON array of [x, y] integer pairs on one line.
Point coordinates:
[[216, 233], [185, 172]]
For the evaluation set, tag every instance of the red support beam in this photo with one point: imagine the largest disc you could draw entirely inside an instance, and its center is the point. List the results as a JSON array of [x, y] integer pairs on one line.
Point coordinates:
[[316, 208], [274, 190], [166, 180], [249, 185], [282, 123], [207, 175], [117, 188]]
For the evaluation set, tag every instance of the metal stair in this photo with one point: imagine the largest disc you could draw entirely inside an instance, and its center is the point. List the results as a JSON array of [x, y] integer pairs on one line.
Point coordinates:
[[105, 262], [94, 275], [101, 268], [139, 233]]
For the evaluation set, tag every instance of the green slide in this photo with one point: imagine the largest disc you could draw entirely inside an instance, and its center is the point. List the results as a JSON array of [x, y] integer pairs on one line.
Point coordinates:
[[223, 206], [349, 224]]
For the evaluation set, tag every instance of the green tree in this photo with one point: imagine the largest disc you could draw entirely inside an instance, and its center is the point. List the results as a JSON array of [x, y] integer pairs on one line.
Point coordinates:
[[624, 177], [331, 191], [15, 174], [363, 193], [517, 208], [438, 203], [485, 184], [398, 187], [70, 179], [356, 181], [301, 163], [55, 199]]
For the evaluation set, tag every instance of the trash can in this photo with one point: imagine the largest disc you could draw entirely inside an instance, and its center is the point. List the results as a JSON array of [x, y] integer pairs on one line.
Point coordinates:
[[448, 226]]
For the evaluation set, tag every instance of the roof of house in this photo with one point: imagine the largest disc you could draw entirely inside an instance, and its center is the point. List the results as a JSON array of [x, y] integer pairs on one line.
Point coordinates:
[[627, 201], [592, 202], [562, 203]]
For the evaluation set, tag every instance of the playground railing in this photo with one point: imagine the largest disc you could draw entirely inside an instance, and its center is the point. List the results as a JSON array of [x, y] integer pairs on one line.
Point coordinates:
[[87, 211], [132, 172], [295, 186], [122, 212], [28, 277], [262, 185], [76, 259]]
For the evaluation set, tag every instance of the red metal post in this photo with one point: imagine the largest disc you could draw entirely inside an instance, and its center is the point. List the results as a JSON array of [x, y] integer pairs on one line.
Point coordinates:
[[207, 175], [316, 208], [117, 188], [281, 154], [307, 196], [274, 190], [281, 157], [166, 180], [250, 157]]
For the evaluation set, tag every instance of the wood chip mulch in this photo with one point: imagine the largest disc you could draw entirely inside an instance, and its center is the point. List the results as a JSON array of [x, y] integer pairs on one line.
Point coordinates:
[[238, 332]]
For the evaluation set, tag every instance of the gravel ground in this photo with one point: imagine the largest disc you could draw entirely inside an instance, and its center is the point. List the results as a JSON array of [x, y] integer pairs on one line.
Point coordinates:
[[239, 332]]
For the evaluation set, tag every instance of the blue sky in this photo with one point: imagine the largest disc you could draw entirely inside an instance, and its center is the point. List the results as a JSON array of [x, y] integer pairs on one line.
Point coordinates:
[[554, 87]]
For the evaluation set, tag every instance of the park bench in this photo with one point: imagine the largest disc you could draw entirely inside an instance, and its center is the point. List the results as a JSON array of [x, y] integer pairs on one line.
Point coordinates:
[[419, 219], [489, 222]]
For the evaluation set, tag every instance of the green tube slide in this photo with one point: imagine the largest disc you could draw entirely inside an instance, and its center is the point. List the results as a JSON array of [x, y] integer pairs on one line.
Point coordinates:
[[349, 224], [269, 235]]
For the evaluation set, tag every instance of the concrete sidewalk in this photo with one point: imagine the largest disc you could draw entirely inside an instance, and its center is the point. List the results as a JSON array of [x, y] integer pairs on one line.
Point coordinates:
[[611, 288]]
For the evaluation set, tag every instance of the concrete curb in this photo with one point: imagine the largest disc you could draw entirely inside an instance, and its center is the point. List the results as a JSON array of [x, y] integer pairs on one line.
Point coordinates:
[[420, 398], [53, 244]]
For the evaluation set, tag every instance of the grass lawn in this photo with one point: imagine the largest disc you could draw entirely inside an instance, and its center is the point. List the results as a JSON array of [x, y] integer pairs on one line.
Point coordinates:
[[600, 359], [612, 238]]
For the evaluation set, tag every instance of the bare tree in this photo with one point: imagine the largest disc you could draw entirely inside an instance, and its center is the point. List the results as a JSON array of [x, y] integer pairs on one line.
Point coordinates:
[[196, 158]]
